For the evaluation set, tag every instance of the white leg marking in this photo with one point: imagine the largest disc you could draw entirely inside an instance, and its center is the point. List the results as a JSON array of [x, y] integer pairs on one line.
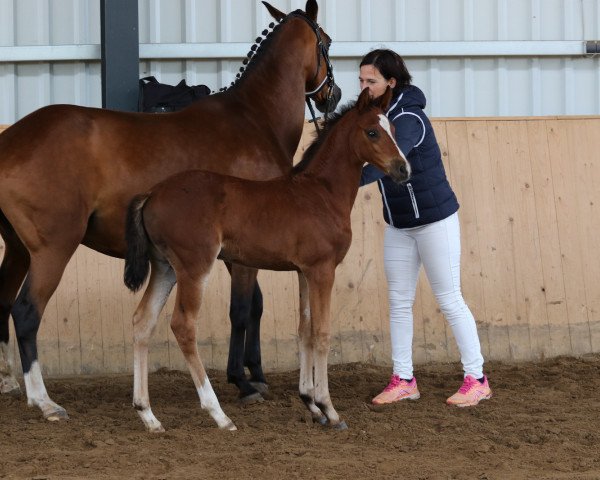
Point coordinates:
[[38, 397], [209, 402], [150, 421]]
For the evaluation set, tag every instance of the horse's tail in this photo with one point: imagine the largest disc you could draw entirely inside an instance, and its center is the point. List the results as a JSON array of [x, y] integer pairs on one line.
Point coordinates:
[[137, 258]]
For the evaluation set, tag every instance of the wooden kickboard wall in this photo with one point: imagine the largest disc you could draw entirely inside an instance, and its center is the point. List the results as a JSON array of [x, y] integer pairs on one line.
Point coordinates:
[[530, 219]]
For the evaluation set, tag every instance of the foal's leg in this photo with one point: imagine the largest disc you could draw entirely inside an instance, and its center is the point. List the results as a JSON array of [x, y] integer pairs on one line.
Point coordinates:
[[162, 279], [306, 388], [243, 283], [320, 285], [46, 269], [187, 306], [12, 272]]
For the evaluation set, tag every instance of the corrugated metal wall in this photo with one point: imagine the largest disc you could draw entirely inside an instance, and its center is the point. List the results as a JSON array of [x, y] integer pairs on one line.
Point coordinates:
[[465, 85]]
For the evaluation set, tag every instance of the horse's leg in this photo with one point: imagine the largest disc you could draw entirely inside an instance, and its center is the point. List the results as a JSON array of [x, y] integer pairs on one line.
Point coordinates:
[[306, 388], [12, 272], [145, 318], [252, 356], [243, 282], [187, 306], [45, 271], [320, 285]]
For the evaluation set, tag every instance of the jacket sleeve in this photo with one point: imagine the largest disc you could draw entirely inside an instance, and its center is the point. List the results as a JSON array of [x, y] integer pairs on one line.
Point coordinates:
[[410, 131], [370, 174]]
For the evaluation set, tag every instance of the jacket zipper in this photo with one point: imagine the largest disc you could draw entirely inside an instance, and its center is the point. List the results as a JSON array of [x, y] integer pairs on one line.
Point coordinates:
[[413, 199]]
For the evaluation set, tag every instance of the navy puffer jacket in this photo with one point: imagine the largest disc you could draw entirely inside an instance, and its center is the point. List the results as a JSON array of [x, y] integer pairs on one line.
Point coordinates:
[[427, 196]]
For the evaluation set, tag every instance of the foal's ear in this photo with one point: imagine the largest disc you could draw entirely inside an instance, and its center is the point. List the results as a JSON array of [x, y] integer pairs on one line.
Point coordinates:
[[311, 10], [383, 102], [364, 100], [276, 14]]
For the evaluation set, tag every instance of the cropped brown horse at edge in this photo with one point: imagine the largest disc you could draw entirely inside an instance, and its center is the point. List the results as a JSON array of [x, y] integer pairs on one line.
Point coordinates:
[[297, 222], [68, 173]]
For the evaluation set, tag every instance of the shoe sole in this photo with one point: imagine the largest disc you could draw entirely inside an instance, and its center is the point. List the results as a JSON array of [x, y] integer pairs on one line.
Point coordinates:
[[472, 404], [414, 396]]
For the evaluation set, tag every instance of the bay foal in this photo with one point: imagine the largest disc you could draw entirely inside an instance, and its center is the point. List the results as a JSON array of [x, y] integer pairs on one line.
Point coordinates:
[[299, 222]]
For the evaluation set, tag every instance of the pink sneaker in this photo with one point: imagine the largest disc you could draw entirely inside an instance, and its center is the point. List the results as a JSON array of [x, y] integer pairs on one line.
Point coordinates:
[[471, 392], [398, 389]]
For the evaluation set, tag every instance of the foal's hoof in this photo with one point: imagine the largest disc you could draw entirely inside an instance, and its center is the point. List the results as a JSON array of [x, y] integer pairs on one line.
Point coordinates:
[[251, 399], [56, 415], [320, 419], [261, 387], [340, 426]]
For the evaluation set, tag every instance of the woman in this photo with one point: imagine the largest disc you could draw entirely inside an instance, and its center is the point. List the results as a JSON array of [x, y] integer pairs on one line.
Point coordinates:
[[422, 228]]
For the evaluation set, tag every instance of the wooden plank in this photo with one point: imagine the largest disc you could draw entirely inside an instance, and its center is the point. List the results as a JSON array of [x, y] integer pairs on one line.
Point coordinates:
[[589, 152], [345, 307], [67, 312], [493, 279], [366, 290], [587, 176], [566, 183], [110, 272], [279, 334], [378, 342], [557, 339], [90, 324]]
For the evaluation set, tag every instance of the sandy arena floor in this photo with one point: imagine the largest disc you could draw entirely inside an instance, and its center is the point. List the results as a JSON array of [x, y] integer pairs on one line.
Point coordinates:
[[542, 423]]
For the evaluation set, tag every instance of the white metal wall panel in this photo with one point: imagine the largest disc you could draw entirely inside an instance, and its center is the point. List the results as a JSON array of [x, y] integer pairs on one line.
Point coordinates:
[[455, 85]]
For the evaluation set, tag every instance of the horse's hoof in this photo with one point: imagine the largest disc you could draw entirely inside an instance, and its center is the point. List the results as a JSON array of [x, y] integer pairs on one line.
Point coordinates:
[[230, 426], [10, 390], [340, 426], [251, 399], [57, 415], [261, 387], [321, 420], [156, 429]]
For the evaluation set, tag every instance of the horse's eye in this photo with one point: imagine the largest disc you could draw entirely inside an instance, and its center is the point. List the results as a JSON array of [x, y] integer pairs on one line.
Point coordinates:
[[372, 133]]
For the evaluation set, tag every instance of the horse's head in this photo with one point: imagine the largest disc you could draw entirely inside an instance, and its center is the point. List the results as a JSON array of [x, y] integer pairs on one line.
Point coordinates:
[[374, 143], [320, 85]]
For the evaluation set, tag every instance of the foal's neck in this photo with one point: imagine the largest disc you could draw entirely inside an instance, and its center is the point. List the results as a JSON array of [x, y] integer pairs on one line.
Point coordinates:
[[335, 167]]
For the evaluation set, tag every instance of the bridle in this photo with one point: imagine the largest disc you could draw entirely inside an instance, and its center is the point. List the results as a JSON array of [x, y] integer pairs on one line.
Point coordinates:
[[322, 51]]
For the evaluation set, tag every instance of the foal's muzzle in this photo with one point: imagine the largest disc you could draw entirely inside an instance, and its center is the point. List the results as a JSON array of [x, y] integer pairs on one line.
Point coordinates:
[[331, 101], [400, 170]]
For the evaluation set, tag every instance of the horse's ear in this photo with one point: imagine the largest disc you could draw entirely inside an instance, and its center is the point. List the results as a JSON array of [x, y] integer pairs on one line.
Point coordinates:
[[311, 10], [276, 14], [384, 100], [364, 100]]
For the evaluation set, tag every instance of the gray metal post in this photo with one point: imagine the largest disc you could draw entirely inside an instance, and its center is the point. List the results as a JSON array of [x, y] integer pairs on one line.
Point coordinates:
[[120, 54]]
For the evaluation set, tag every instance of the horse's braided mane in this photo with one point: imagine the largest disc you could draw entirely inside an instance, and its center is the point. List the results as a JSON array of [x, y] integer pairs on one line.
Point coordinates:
[[319, 140], [259, 47]]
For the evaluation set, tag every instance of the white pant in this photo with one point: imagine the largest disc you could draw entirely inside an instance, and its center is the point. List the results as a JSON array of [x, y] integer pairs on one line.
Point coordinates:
[[437, 247]]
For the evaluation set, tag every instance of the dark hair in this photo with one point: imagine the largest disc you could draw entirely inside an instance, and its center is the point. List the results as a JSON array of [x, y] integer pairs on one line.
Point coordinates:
[[389, 64]]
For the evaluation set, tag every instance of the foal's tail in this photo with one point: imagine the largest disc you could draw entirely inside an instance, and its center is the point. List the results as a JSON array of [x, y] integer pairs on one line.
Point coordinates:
[[137, 258]]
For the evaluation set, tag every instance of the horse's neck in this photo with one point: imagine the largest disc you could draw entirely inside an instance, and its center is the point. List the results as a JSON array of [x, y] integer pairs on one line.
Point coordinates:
[[337, 168], [272, 90]]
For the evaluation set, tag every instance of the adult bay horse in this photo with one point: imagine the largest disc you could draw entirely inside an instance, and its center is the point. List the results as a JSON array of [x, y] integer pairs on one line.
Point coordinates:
[[67, 174], [297, 222]]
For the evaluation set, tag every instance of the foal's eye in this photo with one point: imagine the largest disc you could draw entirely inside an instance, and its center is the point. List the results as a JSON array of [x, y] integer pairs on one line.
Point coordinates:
[[372, 133]]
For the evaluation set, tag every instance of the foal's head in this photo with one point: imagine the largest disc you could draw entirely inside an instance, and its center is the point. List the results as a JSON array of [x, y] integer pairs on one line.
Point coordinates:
[[373, 142]]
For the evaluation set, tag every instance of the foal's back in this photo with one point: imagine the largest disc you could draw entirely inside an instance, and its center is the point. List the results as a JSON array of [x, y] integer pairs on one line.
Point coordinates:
[[279, 224]]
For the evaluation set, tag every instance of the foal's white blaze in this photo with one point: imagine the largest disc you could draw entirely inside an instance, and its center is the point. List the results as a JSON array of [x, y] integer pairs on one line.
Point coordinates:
[[385, 124], [209, 402]]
